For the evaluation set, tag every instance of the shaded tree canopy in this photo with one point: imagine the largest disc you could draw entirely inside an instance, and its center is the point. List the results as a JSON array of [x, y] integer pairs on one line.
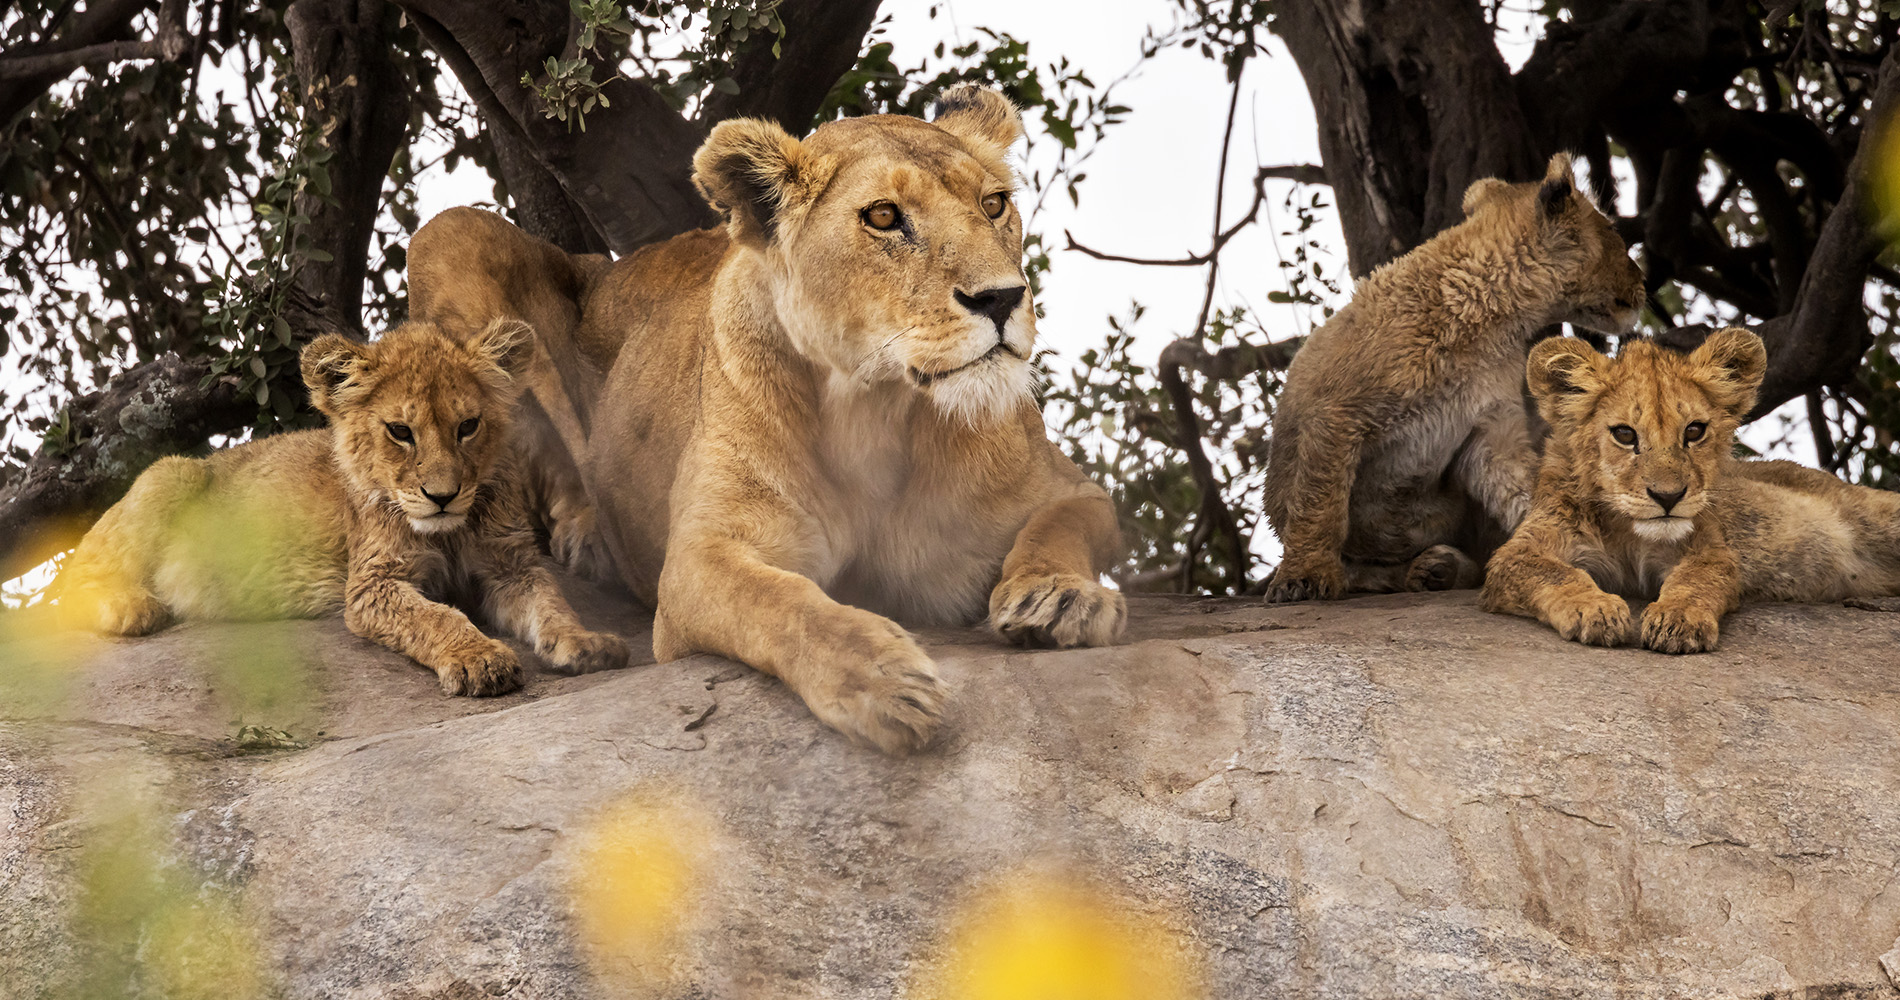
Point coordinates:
[[170, 244]]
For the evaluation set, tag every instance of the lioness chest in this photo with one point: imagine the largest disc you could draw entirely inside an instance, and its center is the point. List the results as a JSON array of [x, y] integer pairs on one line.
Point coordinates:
[[906, 530]]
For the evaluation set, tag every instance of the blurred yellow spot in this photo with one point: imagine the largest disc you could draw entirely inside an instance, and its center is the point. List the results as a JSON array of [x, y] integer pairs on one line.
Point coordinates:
[[1885, 178], [1041, 938], [637, 886]]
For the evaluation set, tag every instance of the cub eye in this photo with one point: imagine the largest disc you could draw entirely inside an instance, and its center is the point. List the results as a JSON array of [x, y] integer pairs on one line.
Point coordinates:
[[882, 216], [1693, 433], [993, 204], [401, 433], [1624, 435], [468, 427]]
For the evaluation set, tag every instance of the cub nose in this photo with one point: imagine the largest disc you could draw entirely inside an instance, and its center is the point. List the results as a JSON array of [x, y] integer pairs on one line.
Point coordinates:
[[442, 499], [996, 303], [1667, 501]]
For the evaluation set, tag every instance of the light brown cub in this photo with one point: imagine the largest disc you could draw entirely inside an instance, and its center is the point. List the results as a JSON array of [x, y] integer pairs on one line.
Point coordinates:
[[1401, 448], [1640, 495], [411, 497]]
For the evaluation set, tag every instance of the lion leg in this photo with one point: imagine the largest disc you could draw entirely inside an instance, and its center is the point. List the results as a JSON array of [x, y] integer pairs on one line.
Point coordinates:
[[1524, 579], [1704, 586], [1318, 504], [1498, 466], [111, 571], [1050, 592], [1443, 567], [390, 611], [859, 672], [524, 598]]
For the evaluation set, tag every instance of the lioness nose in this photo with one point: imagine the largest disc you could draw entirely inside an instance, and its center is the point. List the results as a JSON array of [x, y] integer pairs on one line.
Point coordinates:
[[996, 303], [441, 499], [1667, 501]]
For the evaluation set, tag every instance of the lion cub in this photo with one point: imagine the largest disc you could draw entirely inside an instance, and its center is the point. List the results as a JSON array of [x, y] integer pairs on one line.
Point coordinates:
[[1639, 494], [411, 497], [1401, 449]]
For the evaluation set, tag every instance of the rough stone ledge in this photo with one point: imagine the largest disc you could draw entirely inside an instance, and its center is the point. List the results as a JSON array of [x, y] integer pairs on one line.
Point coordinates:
[[1384, 797]]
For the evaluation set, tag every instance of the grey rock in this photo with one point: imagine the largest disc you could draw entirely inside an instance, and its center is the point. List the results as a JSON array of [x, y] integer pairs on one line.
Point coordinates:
[[1387, 797]]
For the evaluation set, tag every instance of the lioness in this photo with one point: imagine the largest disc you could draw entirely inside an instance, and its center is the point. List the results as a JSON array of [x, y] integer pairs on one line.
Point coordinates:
[[819, 418], [1640, 494], [411, 491], [1401, 450]]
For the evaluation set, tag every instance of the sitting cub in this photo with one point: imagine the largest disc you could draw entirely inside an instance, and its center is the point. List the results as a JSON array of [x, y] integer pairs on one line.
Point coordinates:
[[412, 491], [1401, 449], [1640, 495]]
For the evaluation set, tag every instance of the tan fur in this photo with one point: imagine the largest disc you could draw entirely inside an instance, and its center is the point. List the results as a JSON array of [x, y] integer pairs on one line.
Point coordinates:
[[1739, 531], [1401, 450], [802, 433], [309, 523]]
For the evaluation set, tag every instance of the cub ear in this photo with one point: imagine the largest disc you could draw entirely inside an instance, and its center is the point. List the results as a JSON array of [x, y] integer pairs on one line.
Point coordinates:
[[1563, 372], [1559, 184], [1730, 365], [335, 371], [750, 170], [506, 343], [979, 115], [1481, 191]]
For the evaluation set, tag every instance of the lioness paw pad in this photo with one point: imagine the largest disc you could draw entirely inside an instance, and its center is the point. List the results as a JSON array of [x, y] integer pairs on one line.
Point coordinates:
[[1063, 610], [1679, 630], [486, 670]]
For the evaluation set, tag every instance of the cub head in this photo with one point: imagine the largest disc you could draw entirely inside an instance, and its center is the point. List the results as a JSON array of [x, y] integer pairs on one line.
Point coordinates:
[[892, 246], [1647, 432], [420, 419], [1599, 287]]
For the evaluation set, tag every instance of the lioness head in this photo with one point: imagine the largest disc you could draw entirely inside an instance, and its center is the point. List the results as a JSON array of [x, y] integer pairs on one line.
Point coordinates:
[[1600, 288], [1647, 432], [893, 245], [419, 418]]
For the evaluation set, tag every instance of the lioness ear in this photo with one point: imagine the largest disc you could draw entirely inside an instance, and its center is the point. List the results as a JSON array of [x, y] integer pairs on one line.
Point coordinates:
[[1563, 372], [1481, 191], [979, 115], [1559, 183], [335, 371], [506, 343], [749, 169], [1730, 365]]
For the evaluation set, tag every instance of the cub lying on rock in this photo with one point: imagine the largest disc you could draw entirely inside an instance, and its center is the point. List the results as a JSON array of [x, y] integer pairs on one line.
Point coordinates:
[[1401, 450], [412, 490], [1639, 494]]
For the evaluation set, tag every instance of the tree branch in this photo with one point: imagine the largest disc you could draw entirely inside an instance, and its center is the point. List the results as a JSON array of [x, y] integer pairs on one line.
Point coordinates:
[[62, 63], [822, 38]]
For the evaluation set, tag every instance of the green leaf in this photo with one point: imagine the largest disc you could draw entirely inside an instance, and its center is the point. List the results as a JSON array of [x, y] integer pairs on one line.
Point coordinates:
[[257, 367], [726, 85]]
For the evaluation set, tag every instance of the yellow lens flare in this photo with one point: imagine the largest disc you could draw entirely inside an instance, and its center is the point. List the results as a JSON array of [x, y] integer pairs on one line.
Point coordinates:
[[1045, 937], [1885, 179], [637, 889]]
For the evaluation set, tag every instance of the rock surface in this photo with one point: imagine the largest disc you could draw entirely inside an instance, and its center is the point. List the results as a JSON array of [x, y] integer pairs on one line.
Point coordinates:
[[1383, 797]]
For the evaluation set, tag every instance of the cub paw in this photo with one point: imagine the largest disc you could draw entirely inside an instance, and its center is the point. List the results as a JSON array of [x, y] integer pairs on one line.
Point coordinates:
[[1596, 619], [586, 652], [132, 614], [891, 698], [1669, 629], [1060, 609], [1442, 567], [577, 545], [488, 669], [1323, 580]]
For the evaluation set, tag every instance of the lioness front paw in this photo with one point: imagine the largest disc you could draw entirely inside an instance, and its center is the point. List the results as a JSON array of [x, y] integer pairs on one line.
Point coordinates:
[[132, 614], [1307, 580], [1442, 567], [586, 652], [1058, 609], [1678, 629], [487, 669], [891, 699], [1597, 619]]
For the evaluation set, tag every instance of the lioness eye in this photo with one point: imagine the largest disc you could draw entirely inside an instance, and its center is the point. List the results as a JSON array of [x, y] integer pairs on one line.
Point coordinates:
[[1693, 433], [401, 433], [993, 204], [468, 427], [1624, 434], [882, 215]]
